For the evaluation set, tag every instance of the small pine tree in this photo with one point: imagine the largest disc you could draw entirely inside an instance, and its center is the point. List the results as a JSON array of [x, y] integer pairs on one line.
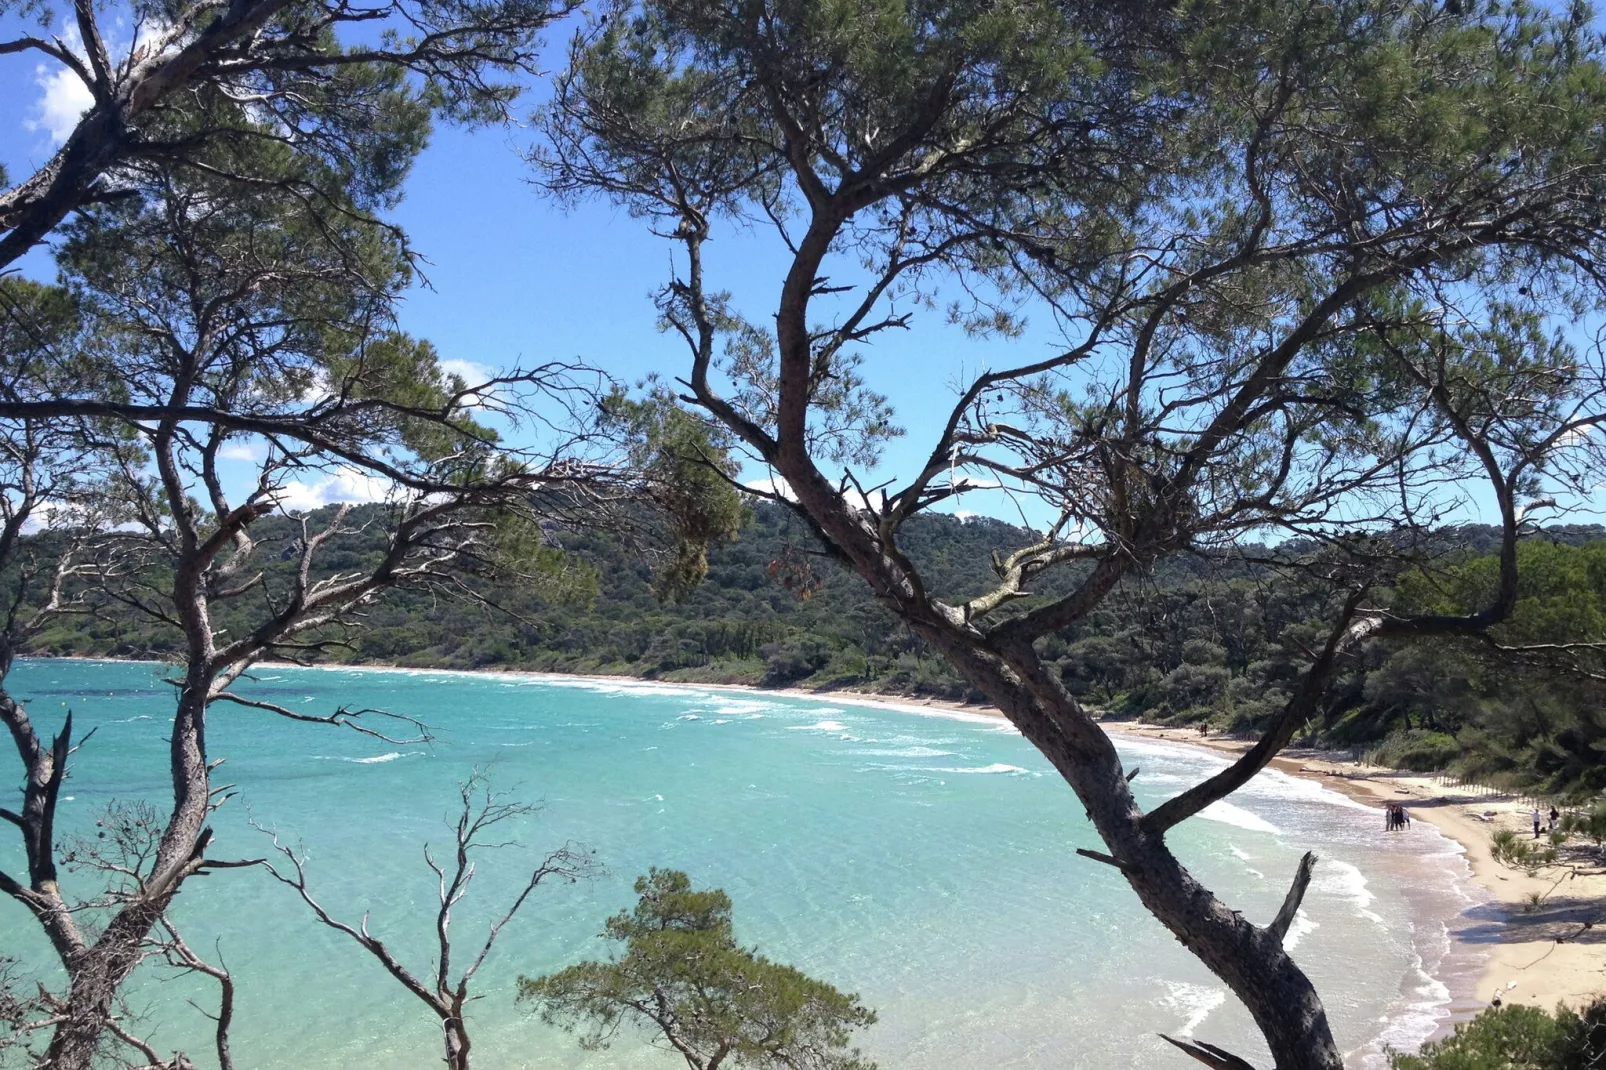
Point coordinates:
[[1517, 1038], [684, 978]]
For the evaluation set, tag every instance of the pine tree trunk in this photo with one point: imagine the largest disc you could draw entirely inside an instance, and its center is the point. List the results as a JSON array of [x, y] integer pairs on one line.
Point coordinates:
[[97, 975], [1248, 958], [97, 972]]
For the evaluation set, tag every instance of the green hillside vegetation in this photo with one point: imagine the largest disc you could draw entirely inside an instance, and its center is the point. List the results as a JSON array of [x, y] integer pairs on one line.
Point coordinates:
[[1517, 1038], [1205, 642]]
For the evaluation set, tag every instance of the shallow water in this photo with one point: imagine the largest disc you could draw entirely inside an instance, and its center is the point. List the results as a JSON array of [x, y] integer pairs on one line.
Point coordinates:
[[923, 859]]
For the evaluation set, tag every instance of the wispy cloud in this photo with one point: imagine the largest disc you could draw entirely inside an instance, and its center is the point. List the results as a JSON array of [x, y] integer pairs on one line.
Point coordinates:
[[241, 451], [471, 373], [345, 485], [63, 98]]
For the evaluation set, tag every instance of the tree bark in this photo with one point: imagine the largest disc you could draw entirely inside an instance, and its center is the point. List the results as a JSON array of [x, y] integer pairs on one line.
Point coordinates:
[[97, 973], [457, 1040], [1248, 958], [99, 970]]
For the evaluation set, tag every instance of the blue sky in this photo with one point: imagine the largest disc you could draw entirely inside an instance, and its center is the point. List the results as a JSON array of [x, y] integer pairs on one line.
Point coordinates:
[[517, 279]]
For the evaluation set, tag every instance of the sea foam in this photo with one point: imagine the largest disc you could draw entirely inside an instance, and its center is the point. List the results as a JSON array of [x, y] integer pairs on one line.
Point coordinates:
[[375, 760], [1229, 814], [996, 768], [1195, 1002], [1339, 879]]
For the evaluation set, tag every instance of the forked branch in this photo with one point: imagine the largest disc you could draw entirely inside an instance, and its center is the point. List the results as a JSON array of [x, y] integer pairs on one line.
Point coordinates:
[[345, 717], [445, 995], [1209, 1054]]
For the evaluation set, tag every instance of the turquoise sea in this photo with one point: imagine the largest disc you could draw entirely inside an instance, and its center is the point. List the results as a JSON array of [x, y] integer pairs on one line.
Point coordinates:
[[921, 858]]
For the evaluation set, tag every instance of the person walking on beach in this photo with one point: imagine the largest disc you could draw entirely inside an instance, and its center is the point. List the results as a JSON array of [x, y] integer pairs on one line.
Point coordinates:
[[1555, 816], [1537, 822], [1402, 820]]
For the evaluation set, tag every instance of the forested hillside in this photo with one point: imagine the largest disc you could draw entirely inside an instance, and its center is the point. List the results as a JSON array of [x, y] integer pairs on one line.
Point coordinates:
[[1202, 644]]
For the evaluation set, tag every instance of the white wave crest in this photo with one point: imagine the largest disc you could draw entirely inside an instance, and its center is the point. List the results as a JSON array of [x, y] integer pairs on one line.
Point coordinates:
[[905, 752], [621, 686], [1343, 881], [727, 706], [995, 768], [821, 726], [1228, 814], [1301, 928], [375, 760], [1194, 1001], [1406, 1028], [1276, 784]]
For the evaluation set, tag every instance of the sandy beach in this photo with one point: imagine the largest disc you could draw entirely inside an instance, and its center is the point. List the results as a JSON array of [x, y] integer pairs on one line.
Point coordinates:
[[1538, 954], [1541, 954]]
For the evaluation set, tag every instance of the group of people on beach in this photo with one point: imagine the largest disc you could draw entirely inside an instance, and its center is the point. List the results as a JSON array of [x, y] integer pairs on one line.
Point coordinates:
[[1395, 818]]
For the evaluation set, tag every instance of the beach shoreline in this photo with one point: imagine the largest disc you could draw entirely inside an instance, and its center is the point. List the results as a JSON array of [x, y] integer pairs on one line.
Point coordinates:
[[1524, 963], [1539, 955]]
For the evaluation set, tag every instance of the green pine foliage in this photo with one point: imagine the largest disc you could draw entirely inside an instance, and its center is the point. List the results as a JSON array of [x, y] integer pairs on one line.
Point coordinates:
[[688, 475], [682, 977], [1518, 1038], [1194, 642]]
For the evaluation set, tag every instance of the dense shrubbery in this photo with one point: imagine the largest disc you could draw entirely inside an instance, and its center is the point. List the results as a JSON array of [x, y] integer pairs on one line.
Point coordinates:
[[1518, 1038], [1419, 749], [1198, 643]]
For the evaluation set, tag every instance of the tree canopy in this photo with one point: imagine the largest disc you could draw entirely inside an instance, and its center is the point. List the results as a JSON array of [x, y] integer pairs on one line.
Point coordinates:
[[1317, 268], [1516, 1038], [227, 293], [208, 87], [682, 976]]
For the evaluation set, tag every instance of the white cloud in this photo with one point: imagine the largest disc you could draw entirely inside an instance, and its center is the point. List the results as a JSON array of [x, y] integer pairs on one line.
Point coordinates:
[[345, 485], [241, 451], [774, 484], [63, 99], [63, 95], [474, 375], [471, 373], [53, 515]]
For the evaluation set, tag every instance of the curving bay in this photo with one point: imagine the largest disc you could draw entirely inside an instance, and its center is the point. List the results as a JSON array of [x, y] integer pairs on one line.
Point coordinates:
[[921, 858]]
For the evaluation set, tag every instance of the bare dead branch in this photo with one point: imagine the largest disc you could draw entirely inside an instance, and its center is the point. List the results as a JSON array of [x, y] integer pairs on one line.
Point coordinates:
[[1296, 894]]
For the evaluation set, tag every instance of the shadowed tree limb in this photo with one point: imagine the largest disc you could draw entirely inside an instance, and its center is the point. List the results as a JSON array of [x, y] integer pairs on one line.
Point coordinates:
[[1209, 1054], [1296, 894]]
